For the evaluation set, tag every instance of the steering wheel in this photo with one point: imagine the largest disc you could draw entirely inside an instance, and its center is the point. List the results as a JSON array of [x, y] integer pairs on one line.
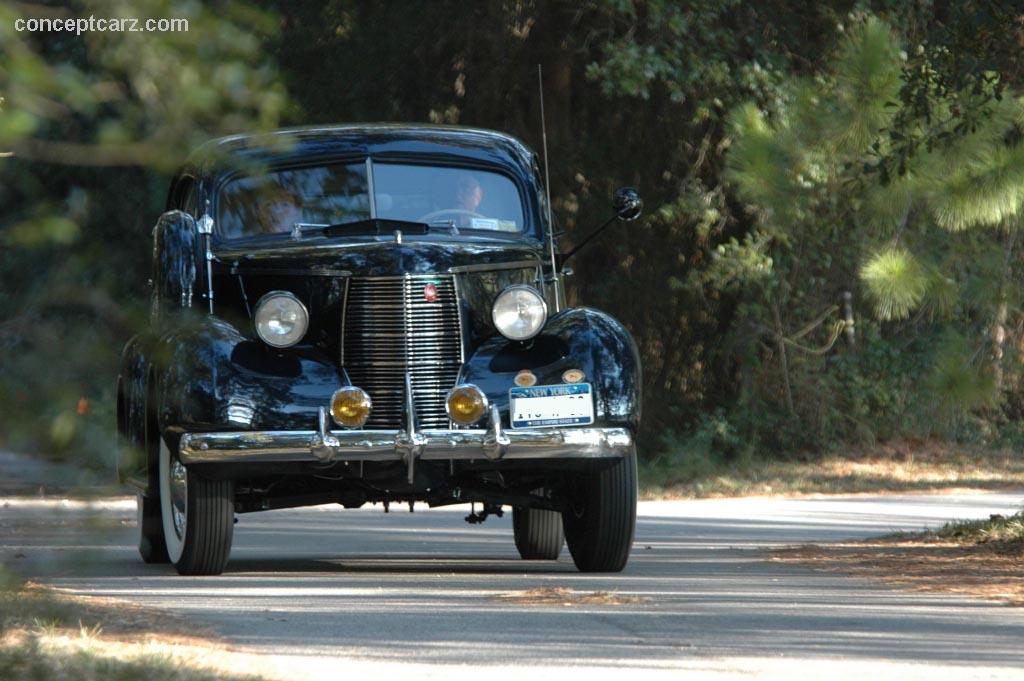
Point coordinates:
[[449, 211]]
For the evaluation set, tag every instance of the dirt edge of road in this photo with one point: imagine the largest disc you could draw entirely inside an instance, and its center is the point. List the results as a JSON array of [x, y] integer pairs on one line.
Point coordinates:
[[981, 559]]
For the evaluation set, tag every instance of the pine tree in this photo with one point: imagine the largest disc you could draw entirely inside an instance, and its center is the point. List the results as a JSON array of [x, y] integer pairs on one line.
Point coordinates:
[[929, 245]]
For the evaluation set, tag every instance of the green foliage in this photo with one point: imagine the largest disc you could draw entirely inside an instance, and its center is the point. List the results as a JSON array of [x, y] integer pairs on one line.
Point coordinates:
[[985, 190], [686, 49], [956, 382], [866, 80], [765, 166], [996, 528], [930, 246], [87, 127], [962, 59], [839, 397], [737, 264], [134, 97], [713, 444], [896, 281]]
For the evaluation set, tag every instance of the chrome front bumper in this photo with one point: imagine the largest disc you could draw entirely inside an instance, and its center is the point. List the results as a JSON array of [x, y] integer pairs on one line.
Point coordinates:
[[407, 445]]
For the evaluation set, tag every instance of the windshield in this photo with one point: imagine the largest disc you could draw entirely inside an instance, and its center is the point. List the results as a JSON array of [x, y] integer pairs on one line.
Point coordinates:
[[443, 196]]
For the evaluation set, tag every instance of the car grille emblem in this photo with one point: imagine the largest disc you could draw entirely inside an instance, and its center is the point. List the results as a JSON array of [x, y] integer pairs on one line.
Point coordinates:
[[430, 293]]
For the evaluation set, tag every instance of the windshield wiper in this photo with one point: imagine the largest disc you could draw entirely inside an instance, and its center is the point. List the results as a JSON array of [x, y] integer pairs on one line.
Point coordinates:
[[448, 224], [375, 227]]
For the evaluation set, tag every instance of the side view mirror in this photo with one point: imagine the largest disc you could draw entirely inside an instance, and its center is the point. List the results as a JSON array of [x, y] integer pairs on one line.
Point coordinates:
[[627, 204]]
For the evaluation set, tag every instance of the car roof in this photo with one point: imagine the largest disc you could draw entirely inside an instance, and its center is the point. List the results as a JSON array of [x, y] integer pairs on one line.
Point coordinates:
[[376, 140]]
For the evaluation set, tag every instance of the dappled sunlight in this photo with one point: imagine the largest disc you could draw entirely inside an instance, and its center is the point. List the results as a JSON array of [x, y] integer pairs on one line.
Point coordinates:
[[328, 582]]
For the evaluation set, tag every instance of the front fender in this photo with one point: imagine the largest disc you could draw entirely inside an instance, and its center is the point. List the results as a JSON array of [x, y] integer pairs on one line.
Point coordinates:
[[132, 422], [577, 338], [211, 377]]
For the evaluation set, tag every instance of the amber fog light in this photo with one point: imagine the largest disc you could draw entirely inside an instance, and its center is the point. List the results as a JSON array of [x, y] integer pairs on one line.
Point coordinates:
[[466, 404], [350, 407]]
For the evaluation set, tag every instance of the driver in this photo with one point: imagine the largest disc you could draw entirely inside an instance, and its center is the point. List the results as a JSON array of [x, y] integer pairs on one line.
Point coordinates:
[[468, 193], [457, 197]]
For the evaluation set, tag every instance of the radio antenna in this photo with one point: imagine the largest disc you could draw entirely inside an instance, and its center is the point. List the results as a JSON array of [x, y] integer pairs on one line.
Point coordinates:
[[547, 189]]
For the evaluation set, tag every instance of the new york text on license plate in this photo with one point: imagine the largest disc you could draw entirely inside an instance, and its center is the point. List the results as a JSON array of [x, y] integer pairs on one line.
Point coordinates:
[[570, 404]]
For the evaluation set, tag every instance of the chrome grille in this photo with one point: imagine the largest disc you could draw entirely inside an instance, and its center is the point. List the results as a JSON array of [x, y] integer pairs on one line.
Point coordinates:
[[389, 328]]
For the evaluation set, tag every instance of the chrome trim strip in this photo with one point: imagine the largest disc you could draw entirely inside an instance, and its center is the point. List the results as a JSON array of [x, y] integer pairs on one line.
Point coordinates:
[[403, 277], [459, 314], [344, 313], [419, 363], [489, 267], [407, 328], [383, 445], [311, 272]]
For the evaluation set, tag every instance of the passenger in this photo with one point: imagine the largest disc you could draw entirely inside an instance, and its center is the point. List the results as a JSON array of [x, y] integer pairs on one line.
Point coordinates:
[[278, 209]]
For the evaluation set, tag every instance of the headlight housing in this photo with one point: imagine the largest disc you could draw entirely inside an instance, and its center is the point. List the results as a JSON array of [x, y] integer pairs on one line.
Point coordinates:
[[519, 312], [281, 319]]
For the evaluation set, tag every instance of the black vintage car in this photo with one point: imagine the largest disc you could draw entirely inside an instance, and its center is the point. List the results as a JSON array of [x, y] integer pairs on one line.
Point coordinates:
[[374, 313]]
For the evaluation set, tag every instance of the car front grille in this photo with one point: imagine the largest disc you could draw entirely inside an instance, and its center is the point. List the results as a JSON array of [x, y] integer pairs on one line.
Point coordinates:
[[389, 327]]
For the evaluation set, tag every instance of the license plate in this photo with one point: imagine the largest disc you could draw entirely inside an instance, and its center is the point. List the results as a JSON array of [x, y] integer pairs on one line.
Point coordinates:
[[570, 404]]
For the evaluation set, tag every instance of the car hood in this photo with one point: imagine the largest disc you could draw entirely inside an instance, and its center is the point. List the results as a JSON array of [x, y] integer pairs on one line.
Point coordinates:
[[376, 257]]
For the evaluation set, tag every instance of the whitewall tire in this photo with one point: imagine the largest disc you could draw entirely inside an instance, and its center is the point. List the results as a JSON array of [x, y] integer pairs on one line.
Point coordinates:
[[197, 516]]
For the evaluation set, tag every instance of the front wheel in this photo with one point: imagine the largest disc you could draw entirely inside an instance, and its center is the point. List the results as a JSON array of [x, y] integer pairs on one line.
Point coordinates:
[[601, 517], [198, 517]]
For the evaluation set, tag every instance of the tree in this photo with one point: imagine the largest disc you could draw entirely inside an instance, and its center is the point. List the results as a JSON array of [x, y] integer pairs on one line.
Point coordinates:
[[930, 248], [90, 126]]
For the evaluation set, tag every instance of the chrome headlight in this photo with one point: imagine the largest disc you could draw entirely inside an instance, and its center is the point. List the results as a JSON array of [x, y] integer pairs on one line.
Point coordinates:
[[281, 319], [519, 312]]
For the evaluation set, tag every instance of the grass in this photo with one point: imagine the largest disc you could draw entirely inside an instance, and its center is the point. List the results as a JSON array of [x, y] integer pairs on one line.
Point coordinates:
[[45, 634], [892, 467], [998, 529], [86, 656]]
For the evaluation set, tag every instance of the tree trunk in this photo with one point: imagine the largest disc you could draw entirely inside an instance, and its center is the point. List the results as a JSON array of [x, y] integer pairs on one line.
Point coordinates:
[[780, 342], [999, 341], [998, 331]]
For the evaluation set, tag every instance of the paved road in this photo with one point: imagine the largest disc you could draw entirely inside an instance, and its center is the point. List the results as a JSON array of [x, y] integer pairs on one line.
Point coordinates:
[[323, 590]]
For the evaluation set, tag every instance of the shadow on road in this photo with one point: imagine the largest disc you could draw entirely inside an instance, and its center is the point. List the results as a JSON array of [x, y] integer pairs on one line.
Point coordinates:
[[426, 587]]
